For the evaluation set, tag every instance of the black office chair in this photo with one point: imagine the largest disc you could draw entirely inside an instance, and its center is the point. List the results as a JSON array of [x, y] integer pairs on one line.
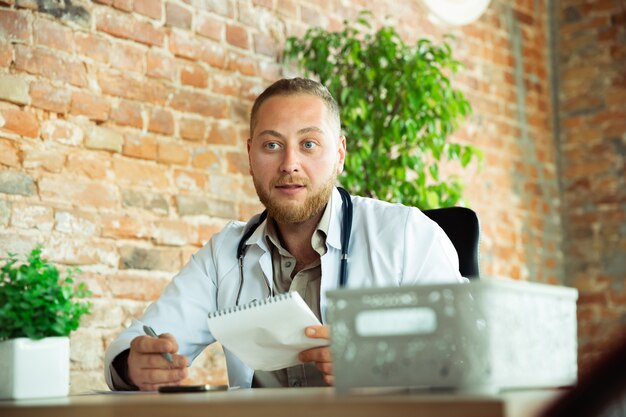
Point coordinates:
[[462, 227]]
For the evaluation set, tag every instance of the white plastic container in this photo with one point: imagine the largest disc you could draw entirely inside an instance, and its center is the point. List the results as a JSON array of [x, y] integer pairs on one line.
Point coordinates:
[[484, 336], [34, 368]]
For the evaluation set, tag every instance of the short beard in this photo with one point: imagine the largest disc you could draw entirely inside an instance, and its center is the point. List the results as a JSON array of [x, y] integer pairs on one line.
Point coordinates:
[[291, 212]]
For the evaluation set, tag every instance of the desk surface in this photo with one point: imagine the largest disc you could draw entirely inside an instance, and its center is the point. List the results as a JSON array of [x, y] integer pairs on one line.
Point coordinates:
[[285, 402]]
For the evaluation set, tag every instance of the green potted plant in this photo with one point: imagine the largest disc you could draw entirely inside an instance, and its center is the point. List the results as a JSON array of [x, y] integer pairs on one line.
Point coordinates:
[[398, 109], [38, 310]]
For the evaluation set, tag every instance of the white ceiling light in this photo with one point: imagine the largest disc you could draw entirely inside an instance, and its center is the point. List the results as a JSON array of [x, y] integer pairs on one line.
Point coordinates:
[[457, 12]]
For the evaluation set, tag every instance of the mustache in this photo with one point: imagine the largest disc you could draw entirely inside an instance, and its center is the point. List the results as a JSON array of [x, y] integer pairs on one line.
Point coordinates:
[[290, 179]]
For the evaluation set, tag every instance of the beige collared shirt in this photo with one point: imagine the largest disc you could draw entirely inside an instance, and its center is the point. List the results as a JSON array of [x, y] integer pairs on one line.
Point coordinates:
[[307, 283]]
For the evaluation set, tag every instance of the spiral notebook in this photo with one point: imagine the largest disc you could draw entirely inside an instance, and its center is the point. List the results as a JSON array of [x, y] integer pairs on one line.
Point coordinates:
[[266, 335]]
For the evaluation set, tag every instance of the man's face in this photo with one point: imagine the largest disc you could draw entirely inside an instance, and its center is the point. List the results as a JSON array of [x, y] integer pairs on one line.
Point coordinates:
[[295, 155]]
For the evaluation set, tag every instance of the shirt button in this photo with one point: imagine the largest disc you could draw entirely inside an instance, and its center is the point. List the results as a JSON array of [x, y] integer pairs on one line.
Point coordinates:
[[296, 383], [287, 264]]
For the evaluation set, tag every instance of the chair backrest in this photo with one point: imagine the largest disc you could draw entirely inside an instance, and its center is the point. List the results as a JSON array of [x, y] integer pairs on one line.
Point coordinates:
[[463, 228]]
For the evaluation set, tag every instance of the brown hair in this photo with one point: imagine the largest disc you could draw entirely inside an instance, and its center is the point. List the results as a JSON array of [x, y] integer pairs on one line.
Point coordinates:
[[294, 86]]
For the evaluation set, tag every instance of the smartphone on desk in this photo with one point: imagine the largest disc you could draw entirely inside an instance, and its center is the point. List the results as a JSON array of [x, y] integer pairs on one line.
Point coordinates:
[[173, 389]]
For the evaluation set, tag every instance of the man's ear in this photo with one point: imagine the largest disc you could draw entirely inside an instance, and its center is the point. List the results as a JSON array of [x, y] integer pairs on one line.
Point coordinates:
[[249, 162], [341, 154]]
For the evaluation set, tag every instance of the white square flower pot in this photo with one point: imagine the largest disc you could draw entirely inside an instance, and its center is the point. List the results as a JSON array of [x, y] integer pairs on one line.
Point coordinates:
[[34, 368]]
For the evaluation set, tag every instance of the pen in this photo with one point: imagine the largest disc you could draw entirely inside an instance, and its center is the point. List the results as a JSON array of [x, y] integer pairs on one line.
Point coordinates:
[[150, 332]]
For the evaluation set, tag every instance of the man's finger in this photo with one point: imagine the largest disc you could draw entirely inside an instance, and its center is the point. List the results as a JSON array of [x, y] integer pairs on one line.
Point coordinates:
[[156, 360], [317, 332], [319, 354], [172, 339], [161, 376], [147, 344]]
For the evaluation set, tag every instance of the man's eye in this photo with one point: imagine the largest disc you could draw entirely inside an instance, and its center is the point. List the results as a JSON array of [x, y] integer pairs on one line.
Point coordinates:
[[271, 146], [309, 144]]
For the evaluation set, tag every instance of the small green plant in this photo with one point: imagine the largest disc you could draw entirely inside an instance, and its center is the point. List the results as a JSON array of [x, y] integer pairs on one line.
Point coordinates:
[[398, 108], [35, 302]]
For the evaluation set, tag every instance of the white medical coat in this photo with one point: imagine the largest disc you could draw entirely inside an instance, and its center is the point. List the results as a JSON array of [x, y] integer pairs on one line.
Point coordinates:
[[390, 245]]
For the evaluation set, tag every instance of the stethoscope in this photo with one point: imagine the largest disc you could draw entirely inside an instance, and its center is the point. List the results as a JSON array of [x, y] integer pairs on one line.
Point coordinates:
[[346, 230]]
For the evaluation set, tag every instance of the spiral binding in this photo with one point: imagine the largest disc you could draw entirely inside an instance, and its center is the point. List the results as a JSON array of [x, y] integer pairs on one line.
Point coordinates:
[[252, 304]]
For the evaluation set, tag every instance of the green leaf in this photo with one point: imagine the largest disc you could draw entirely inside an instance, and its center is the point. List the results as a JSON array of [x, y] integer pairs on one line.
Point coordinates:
[[35, 302]]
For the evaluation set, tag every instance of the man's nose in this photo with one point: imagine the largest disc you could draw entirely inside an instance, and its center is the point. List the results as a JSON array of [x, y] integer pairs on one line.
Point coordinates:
[[291, 161]]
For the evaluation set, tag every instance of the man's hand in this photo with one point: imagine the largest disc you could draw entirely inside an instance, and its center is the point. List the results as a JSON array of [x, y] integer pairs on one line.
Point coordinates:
[[148, 369], [320, 355]]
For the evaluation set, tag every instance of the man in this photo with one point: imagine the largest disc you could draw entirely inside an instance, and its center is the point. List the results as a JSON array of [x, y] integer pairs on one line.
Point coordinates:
[[295, 152]]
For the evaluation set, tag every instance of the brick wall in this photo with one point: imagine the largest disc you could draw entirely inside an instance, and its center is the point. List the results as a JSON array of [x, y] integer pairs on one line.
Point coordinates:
[[592, 133], [123, 127]]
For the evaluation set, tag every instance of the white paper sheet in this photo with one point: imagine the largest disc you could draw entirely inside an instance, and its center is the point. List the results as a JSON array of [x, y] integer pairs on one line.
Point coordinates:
[[266, 335]]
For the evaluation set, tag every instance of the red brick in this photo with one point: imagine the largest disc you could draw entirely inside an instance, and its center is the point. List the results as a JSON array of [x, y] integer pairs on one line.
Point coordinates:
[[144, 147], [250, 90], [9, 153], [127, 113], [202, 104], [238, 163], [161, 121], [177, 16], [140, 173], [192, 129], [287, 8], [93, 106], [206, 159], [270, 71], [146, 287], [223, 134], [190, 180], [27, 216], [99, 137], [132, 87], [50, 159], [63, 132], [124, 227], [243, 64], [264, 3], [265, 45], [149, 8], [248, 210], [205, 232], [125, 5], [14, 25], [194, 75], [161, 66], [313, 17], [186, 46], [92, 46], [149, 259], [53, 35], [173, 153], [127, 57], [82, 193], [90, 164], [228, 85], [222, 7], [173, 233], [42, 62], [209, 26], [213, 54], [6, 54], [125, 26], [237, 36], [45, 96], [20, 122]]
